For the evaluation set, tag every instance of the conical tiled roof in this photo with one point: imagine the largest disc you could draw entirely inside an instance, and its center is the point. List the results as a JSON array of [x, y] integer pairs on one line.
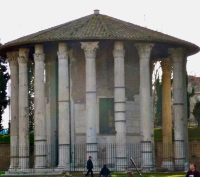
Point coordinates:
[[99, 27]]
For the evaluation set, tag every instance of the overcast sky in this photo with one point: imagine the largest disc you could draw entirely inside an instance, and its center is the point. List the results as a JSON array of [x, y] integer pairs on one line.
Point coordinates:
[[178, 18]]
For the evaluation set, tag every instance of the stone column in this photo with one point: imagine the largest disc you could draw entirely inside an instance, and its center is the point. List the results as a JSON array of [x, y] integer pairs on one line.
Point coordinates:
[[23, 109], [14, 131], [185, 113], [63, 91], [91, 100], [179, 151], [144, 51], [120, 108], [39, 108], [166, 65]]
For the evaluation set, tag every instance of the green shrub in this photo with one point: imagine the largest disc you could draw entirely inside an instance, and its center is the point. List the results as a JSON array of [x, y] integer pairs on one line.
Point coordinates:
[[193, 133], [5, 139], [158, 134], [2, 172]]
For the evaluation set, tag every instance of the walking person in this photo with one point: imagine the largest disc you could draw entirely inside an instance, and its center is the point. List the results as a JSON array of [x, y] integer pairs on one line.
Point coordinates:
[[192, 171], [105, 172], [89, 166]]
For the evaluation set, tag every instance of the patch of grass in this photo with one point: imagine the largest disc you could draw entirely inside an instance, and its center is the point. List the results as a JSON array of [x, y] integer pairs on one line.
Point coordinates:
[[151, 175], [193, 133], [161, 175], [158, 134], [2, 172]]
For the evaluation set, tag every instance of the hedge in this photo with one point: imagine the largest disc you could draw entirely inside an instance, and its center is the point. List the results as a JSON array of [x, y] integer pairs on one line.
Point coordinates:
[[5, 139], [193, 134]]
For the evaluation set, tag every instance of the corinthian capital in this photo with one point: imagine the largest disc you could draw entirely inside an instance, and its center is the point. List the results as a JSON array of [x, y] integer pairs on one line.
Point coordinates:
[[118, 53], [144, 49], [39, 57], [22, 59], [62, 55], [12, 58], [23, 55], [177, 54], [89, 49], [166, 65]]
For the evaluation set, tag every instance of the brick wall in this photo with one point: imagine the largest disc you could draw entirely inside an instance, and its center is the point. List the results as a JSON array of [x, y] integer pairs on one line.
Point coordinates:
[[194, 153], [4, 157]]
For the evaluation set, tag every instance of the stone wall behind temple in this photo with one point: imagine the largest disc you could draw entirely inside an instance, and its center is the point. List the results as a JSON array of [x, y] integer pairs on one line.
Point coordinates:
[[105, 88], [132, 124], [104, 71]]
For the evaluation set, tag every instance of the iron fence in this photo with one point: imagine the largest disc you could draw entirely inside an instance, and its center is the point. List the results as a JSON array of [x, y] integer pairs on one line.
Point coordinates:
[[73, 158]]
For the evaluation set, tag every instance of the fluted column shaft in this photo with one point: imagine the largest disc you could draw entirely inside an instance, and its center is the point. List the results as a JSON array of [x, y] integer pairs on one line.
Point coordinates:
[[119, 93], [63, 91], [91, 100], [14, 103], [39, 108], [166, 101], [166, 65], [177, 57], [23, 109], [185, 109], [120, 105], [144, 51]]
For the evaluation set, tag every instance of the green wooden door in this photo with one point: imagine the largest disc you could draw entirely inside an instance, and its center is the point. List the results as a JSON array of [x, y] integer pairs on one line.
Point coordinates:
[[106, 115]]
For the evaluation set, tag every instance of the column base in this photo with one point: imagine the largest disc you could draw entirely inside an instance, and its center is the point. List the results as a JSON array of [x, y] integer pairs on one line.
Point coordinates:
[[13, 167], [31, 171], [168, 164], [60, 167], [40, 167], [23, 162], [64, 167]]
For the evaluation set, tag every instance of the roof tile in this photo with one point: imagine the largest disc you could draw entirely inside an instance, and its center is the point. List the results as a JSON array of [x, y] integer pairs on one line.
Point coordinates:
[[98, 26]]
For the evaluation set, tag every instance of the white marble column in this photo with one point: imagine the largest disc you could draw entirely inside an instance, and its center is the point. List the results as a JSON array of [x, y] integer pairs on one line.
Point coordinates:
[[39, 108], [23, 109], [167, 114], [14, 103], [120, 104], [63, 98], [178, 55], [91, 100], [185, 113], [144, 51]]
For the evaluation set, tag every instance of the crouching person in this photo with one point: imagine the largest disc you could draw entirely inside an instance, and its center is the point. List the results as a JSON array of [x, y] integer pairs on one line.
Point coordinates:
[[105, 172]]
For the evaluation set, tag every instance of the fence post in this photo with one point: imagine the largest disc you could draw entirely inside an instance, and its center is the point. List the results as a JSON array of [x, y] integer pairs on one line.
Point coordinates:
[[147, 156]]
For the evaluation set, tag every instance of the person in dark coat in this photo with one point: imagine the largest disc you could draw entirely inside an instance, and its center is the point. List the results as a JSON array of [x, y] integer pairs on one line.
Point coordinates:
[[105, 172], [192, 171], [89, 166]]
